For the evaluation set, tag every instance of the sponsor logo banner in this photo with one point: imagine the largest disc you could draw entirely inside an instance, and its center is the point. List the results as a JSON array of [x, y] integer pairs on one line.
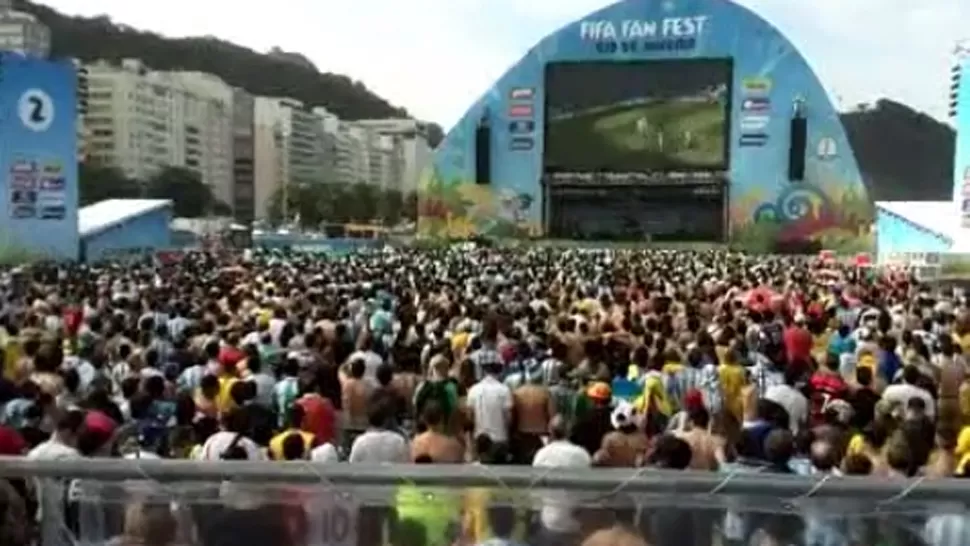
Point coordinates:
[[55, 212], [522, 93], [827, 148], [522, 126], [755, 105], [755, 140], [522, 144], [24, 211], [521, 111], [754, 123], [756, 84]]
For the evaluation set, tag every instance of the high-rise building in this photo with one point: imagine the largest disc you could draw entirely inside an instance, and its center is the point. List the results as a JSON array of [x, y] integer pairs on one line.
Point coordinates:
[[22, 32], [243, 157], [347, 142], [142, 121], [290, 149], [268, 164], [411, 136], [82, 109], [385, 161]]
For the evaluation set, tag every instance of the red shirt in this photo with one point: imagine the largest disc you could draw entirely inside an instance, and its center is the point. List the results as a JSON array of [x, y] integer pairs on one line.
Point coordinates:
[[825, 387], [320, 417], [798, 343], [72, 320], [229, 356]]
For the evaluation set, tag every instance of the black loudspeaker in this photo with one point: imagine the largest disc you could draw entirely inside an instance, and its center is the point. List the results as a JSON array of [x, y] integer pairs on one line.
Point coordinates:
[[483, 153], [796, 150]]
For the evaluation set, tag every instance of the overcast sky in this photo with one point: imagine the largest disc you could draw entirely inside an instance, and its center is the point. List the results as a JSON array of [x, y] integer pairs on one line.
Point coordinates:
[[434, 57]]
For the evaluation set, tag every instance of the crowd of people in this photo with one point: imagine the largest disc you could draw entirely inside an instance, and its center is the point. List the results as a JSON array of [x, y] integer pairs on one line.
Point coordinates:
[[555, 358]]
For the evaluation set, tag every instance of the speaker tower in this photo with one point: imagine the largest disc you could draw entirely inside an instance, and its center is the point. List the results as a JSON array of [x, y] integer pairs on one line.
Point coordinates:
[[483, 151]]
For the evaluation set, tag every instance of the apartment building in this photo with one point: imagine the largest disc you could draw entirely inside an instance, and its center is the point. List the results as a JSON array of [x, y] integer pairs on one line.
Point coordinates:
[[411, 137], [385, 160], [350, 163], [243, 157], [269, 169], [142, 121], [22, 32], [82, 109], [291, 149]]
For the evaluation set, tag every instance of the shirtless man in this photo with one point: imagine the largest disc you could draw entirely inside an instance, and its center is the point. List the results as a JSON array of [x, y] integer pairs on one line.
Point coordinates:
[[624, 447], [534, 407], [355, 396], [434, 442], [704, 446]]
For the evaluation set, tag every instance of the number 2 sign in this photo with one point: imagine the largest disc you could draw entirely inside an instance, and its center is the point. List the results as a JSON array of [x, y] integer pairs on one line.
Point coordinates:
[[36, 110]]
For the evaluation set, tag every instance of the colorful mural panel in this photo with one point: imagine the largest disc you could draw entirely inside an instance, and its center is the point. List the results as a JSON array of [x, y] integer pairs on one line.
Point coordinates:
[[830, 207]]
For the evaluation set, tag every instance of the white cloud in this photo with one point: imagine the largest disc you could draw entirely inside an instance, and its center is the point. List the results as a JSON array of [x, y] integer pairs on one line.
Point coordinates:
[[436, 56]]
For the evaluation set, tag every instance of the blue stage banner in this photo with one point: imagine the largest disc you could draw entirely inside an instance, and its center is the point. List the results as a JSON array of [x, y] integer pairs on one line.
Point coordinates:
[[38, 159]]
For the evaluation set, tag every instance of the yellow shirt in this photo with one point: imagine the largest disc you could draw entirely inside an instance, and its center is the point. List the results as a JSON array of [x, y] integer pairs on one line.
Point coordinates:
[[962, 464], [820, 345], [224, 399], [655, 393], [196, 452], [276, 443], [670, 368], [732, 384], [459, 341], [475, 519], [857, 446], [434, 510], [721, 351], [11, 356], [868, 360]]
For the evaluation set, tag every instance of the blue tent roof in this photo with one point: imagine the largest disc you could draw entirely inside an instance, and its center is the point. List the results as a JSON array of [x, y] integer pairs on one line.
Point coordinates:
[[103, 215]]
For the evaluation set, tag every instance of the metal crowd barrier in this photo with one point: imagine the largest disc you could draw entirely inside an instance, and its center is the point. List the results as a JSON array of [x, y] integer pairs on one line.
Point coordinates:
[[185, 503]]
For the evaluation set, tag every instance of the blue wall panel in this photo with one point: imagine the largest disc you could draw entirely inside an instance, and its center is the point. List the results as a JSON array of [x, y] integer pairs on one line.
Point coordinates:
[[895, 234], [38, 158], [140, 235]]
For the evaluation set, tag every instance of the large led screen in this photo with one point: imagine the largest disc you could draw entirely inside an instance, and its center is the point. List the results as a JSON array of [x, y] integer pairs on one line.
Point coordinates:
[[637, 116]]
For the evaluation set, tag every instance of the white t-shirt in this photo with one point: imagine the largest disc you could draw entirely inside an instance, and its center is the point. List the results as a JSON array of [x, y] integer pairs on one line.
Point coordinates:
[[557, 510], [794, 403], [53, 450], [490, 401], [325, 453], [218, 444], [380, 446], [901, 393]]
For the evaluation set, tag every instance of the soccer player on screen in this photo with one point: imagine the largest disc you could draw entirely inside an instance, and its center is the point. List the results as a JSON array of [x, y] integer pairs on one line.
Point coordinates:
[[643, 126]]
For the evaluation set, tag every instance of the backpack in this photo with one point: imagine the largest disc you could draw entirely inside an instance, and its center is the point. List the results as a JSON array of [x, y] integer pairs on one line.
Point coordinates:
[[773, 338], [437, 391]]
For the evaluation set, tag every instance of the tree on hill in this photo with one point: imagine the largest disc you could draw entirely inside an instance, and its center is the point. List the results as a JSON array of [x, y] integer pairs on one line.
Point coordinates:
[[99, 38], [904, 155]]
